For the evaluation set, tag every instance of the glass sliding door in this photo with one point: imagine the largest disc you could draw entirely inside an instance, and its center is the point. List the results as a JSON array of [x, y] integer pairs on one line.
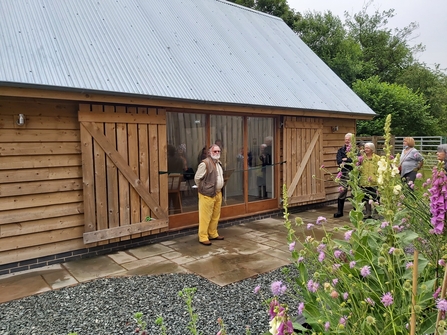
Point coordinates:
[[261, 146], [186, 135], [227, 132]]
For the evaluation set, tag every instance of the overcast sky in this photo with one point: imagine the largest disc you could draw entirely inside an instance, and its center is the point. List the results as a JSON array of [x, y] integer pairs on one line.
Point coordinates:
[[430, 14]]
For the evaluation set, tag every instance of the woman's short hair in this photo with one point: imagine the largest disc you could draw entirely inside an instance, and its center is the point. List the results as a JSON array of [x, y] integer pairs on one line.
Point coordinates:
[[371, 146], [442, 147], [410, 141]]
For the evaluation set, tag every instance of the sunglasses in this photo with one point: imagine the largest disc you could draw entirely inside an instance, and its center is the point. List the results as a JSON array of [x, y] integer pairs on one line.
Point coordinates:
[[216, 151]]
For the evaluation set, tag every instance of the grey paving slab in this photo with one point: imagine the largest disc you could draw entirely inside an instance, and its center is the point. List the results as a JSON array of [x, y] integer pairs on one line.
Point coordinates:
[[149, 250], [93, 268]]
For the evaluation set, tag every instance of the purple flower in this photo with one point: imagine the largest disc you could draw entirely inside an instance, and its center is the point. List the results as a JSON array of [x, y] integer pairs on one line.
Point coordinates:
[[391, 250], [419, 175], [369, 301], [312, 286], [387, 299], [397, 228], [436, 294], [339, 175], [348, 235], [409, 265], [345, 296], [292, 246], [365, 271], [310, 225], [321, 247], [441, 304], [327, 325], [321, 220], [343, 320], [441, 262], [278, 288], [334, 281], [352, 264], [337, 253], [384, 224], [300, 308], [321, 257], [256, 290], [300, 259]]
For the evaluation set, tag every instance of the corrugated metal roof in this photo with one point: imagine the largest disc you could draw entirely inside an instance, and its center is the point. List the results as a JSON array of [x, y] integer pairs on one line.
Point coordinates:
[[198, 50]]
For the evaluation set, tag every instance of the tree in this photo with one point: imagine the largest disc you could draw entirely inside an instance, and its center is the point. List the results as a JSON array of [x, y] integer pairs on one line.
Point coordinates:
[[384, 53], [410, 116], [432, 83], [326, 35]]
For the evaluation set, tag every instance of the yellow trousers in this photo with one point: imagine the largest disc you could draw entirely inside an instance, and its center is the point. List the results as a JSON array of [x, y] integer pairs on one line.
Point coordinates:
[[209, 214]]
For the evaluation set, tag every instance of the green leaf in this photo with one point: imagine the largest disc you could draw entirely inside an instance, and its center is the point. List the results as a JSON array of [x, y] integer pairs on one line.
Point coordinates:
[[407, 237], [298, 326]]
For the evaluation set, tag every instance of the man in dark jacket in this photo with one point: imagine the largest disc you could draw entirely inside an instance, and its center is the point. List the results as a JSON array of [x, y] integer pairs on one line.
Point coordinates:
[[343, 162]]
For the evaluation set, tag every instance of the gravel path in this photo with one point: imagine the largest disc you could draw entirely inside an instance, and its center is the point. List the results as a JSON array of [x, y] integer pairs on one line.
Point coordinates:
[[107, 306]]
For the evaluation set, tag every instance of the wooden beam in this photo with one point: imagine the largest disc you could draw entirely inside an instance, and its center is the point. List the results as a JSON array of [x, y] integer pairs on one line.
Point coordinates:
[[127, 230], [173, 103]]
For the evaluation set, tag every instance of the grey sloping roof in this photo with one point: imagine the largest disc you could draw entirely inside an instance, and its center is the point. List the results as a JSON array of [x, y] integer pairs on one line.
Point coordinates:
[[195, 50]]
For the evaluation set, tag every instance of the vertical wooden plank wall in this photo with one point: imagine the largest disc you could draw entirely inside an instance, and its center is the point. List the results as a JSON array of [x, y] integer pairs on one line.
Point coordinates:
[[41, 199]]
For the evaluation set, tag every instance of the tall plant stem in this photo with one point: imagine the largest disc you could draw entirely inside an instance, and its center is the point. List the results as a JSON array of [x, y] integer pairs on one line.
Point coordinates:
[[442, 295], [415, 291]]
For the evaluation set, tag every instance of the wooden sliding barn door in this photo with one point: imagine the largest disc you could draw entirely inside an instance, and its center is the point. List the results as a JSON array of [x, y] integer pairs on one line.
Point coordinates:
[[303, 152], [123, 148]]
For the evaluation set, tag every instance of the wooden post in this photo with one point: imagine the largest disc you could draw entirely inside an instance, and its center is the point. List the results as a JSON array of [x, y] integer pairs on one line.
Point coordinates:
[[415, 291]]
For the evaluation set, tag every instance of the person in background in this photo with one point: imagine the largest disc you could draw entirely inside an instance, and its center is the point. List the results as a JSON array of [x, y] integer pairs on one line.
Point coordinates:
[[175, 163], [261, 180], [411, 161], [210, 181], [441, 154], [202, 155], [181, 150], [343, 162], [368, 176]]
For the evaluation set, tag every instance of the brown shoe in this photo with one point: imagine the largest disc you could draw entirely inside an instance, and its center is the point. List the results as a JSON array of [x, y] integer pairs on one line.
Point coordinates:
[[207, 243], [217, 238]]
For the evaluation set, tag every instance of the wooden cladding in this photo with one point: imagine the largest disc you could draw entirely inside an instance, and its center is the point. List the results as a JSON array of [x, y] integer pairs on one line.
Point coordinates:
[[303, 151], [121, 159]]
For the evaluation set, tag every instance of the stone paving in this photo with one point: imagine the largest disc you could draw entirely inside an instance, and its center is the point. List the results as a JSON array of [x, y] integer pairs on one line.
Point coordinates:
[[249, 249]]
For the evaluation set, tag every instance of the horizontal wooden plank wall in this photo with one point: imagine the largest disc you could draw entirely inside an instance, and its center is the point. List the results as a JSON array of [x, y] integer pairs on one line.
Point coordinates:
[[41, 199]]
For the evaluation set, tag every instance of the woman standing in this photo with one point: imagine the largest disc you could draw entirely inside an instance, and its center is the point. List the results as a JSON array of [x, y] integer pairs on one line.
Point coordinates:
[[368, 176], [411, 161], [441, 154]]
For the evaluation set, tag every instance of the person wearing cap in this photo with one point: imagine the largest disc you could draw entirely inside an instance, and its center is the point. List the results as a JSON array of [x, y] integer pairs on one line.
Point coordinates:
[[441, 154]]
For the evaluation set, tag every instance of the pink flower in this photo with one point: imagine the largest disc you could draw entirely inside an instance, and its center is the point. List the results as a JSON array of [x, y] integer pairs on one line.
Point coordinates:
[[391, 250], [337, 253], [387, 299], [340, 189], [348, 235], [334, 281], [345, 296], [310, 226], [322, 167], [419, 175], [300, 259], [321, 257], [336, 266], [327, 325], [256, 290], [321, 220], [369, 301], [409, 265], [321, 247], [352, 264], [365, 271], [334, 294], [441, 262], [300, 308], [441, 304], [312, 286], [436, 294], [384, 224], [292, 246], [343, 320], [278, 288]]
